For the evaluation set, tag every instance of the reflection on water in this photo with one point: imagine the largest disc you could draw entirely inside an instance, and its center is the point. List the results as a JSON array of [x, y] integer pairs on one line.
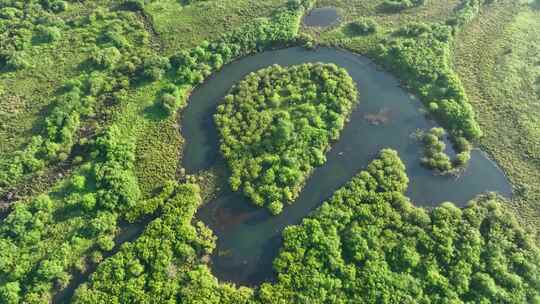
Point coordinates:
[[386, 117]]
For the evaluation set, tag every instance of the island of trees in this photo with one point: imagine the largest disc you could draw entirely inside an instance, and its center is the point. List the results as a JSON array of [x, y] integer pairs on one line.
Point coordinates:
[[434, 152], [277, 124]]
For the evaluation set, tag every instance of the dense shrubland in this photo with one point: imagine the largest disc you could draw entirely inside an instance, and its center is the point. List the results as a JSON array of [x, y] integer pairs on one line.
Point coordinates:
[[49, 238], [434, 151], [276, 126], [23, 23], [420, 55], [369, 244], [45, 239], [165, 264], [366, 244]]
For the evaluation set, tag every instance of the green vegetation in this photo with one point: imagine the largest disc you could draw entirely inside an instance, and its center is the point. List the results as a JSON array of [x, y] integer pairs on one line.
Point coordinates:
[[276, 126], [89, 142], [48, 239], [420, 55], [44, 239], [369, 244], [363, 26], [366, 244], [165, 264], [496, 56], [398, 5], [110, 63], [436, 158]]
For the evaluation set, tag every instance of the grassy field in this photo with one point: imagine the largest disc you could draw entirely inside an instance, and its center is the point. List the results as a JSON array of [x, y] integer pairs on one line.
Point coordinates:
[[351, 10], [497, 56], [181, 26]]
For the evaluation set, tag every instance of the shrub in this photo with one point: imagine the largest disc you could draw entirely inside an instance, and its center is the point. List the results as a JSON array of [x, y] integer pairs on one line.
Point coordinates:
[[107, 58], [171, 98], [155, 67], [398, 5], [17, 61], [49, 33], [363, 26], [434, 155]]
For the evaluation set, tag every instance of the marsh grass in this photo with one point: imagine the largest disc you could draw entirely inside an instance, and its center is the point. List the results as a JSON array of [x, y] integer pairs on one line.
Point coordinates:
[[497, 58]]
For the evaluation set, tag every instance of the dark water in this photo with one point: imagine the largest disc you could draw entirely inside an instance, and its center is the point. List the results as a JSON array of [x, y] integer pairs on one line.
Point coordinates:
[[248, 238], [324, 16]]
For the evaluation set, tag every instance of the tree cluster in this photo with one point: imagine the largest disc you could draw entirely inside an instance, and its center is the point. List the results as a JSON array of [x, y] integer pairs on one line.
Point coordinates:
[[369, 244], [420, 55], [277, 124], [23, 23], [114, 59], [165, 264], [434, 155], [44, 239]]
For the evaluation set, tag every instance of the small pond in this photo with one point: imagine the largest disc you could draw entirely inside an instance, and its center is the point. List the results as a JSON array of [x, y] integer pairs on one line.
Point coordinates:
[[386, 117], [321, 17]]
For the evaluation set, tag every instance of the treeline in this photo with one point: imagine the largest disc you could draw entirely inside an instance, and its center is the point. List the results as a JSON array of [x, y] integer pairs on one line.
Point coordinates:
[[193, 66], [277, 124], [369, 244], [420, 55], [466, 12], [435, 156], [166, 264]]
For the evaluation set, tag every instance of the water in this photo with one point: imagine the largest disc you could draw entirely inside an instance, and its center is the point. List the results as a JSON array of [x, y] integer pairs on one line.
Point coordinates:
[[386, 117], [324, 16]]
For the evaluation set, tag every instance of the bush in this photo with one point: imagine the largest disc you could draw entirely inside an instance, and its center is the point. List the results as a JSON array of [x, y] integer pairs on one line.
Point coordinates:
[[434, 155], [155, 67], [17, 61], [107, 58], [171, 99], [398, 5], [363, 26], [49, 33]]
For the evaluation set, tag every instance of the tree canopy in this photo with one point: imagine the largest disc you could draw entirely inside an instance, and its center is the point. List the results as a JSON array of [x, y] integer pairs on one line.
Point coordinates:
[[369, 244], [277, 124]]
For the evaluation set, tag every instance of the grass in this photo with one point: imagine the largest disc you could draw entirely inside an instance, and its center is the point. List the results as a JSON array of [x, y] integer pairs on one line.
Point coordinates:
[[181, 26], [350, 10], [497, 57]]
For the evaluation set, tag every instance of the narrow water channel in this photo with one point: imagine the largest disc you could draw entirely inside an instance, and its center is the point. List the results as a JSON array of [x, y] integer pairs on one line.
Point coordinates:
[[386, 117]]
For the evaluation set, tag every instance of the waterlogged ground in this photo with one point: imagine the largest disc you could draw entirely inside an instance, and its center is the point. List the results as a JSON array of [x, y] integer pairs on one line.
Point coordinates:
[[387, 117], [324, 16]]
